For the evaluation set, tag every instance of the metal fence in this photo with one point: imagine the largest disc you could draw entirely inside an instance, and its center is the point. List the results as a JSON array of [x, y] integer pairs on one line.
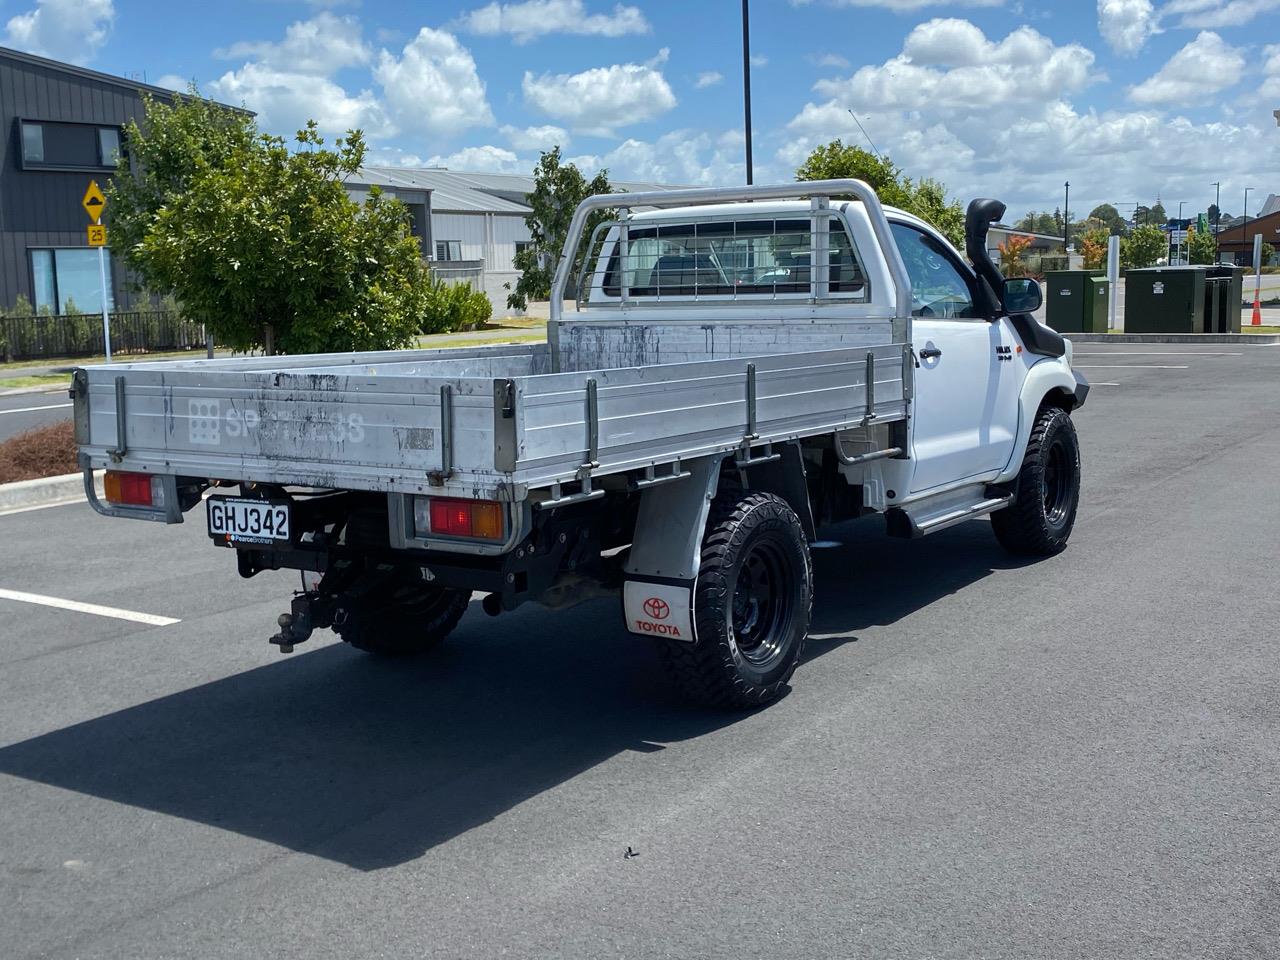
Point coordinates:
[[80, 335]]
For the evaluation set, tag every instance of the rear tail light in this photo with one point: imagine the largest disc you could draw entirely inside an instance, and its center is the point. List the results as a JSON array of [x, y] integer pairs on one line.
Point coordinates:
[[447, 517], [133, 489]]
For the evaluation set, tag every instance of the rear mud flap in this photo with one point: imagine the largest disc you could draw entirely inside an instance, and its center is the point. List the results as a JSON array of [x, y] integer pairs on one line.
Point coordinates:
[[659, 609]]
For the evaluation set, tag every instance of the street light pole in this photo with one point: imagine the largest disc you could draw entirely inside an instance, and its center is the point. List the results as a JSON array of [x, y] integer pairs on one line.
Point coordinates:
[[1182, 230], [746, 84], [1066, 220], [1217, 215]]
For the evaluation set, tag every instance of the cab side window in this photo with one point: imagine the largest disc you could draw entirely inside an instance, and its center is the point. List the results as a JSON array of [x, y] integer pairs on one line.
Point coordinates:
[[938, 288]]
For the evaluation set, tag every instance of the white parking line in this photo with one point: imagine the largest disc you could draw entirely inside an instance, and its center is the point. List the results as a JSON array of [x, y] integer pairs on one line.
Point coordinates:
[[1130, 366], [51, 406], [78, 607], [1157, 353]]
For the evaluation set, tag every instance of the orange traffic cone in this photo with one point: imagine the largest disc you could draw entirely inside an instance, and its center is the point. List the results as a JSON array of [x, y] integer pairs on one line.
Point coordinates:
[[1257, 312]]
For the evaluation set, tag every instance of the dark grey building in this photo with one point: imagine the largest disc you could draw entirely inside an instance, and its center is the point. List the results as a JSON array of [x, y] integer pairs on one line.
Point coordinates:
[[63, 128]]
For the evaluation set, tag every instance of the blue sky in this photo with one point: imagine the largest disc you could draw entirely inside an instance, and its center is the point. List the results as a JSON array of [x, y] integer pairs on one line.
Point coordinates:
[[1128, 99]]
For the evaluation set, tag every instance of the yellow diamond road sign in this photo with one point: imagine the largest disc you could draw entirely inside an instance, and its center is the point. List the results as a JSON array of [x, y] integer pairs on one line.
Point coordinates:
[[97, 235], [94, 202]]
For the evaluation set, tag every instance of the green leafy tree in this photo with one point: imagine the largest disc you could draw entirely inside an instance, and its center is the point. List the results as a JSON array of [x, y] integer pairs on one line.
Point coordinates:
[[1214, 214], [1201, 247], [558, 188], [258, 239], [1143, 247], [1046, 223], [1107, 216], [926, 198], [1268, 253]]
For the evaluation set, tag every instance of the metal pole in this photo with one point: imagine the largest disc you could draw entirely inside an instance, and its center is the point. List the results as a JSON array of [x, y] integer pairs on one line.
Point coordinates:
[[1245, 229], [746, 84], [1217, 215], [1182, 229], [1113, 275], [1066, 221], [1257, 279], [106, 321]]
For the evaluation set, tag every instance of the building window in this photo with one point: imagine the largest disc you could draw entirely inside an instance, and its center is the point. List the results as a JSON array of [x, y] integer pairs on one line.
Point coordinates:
[[67, 280], [448, 249], [69, 146], [109, 146], [32, 143], [522, 246]]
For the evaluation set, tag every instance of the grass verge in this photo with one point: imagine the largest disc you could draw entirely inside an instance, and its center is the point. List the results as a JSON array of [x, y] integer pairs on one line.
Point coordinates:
[[51, 379], [43, 452]]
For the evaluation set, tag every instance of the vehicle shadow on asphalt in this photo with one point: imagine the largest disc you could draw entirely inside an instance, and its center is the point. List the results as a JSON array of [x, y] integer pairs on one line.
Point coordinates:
[[371, 763]]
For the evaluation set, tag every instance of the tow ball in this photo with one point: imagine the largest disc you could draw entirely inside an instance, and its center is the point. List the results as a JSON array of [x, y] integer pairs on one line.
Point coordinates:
[[308, 613]]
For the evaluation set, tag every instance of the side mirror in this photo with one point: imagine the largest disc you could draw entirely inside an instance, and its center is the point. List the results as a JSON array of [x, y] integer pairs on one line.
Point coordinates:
[[1021, 295]]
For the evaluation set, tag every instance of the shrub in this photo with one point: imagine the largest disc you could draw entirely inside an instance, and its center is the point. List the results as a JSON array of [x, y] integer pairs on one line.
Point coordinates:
[[454, 306], [43, 452], [1011, 253], [1093, 246]]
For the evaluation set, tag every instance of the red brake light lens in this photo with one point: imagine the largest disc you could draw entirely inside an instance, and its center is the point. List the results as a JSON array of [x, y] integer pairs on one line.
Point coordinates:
[[129, 489], [447, 517]]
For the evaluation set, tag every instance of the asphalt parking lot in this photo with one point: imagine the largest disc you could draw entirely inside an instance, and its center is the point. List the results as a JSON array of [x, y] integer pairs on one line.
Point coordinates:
[[980, 757]]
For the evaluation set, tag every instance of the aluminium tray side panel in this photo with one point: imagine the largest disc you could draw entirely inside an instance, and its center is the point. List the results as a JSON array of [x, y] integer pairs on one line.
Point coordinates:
[[385, 432], [651, 415]]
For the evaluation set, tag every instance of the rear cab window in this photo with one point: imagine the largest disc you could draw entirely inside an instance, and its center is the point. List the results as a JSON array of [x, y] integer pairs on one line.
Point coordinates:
[[731, 259]]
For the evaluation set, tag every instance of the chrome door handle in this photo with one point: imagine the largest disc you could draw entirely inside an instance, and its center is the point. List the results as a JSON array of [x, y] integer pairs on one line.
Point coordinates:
[[928, 353]]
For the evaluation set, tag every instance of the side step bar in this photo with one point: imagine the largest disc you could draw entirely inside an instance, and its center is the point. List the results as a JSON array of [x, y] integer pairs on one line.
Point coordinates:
[[926, 517]]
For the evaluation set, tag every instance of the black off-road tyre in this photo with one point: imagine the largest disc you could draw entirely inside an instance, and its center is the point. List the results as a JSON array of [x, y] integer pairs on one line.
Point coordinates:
[[752, 602], [400, 619], [1039, 521]]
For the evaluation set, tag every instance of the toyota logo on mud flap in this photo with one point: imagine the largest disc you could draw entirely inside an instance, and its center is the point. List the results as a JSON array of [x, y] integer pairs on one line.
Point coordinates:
[[656, 608]]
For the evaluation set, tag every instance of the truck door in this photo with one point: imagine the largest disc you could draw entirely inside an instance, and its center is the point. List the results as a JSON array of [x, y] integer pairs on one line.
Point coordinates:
[[965, 410]]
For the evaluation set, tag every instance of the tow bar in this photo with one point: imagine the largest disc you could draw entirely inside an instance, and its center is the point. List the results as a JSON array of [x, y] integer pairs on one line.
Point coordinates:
[[308, 613]]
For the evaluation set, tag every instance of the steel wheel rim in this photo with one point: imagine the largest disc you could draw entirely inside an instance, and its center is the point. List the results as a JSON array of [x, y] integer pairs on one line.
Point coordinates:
[[1057, 483], [761, 608]]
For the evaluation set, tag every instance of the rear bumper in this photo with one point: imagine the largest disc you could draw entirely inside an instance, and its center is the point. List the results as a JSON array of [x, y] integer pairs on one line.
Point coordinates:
[[1081, 392]]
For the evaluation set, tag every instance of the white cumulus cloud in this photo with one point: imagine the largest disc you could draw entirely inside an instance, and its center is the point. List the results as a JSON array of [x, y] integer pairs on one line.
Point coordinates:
[[1204, 66], [690, 157], [1126, 24], [536, 138], [599, 100], [321, 46], [906, 6], [536, 18], [708, 79], [285, 101], [70, 30], [484, 159], [1019, 136], [433, 86], [290, 81], [946, 62], [1216, 14]]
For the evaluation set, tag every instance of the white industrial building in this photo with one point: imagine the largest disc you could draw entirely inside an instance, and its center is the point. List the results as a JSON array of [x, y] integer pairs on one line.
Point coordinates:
[[470, 224]]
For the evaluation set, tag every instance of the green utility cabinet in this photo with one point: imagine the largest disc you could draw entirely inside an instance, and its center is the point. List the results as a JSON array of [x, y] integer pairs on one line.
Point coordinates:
[[1165, 300], [1230, 298], [1076, 301]]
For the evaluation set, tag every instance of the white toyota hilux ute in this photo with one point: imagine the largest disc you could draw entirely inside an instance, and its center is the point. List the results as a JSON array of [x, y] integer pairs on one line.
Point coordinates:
[[726, 371]]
